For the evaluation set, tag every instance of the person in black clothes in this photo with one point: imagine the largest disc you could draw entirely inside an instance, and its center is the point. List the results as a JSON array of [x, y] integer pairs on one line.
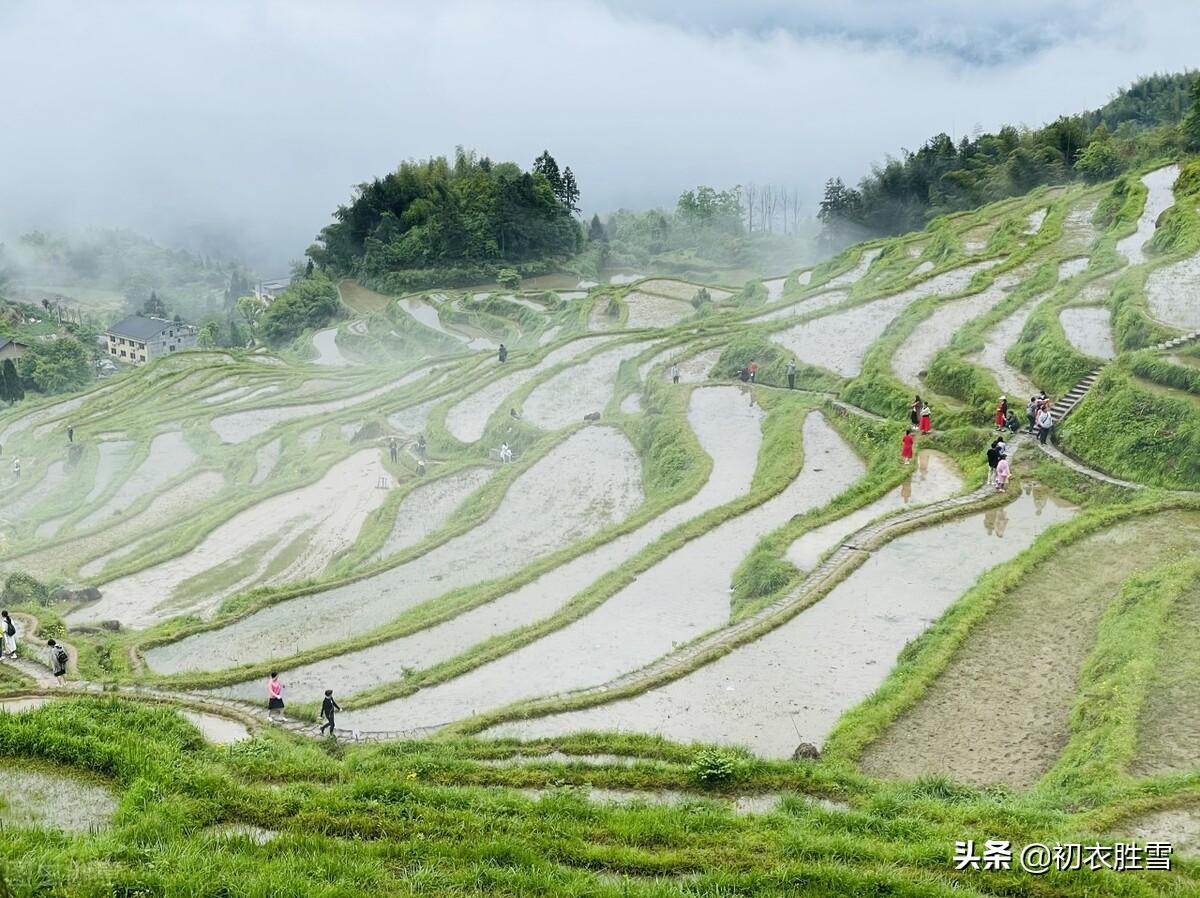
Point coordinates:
[[993, 458], [503, 353], [327, 708]]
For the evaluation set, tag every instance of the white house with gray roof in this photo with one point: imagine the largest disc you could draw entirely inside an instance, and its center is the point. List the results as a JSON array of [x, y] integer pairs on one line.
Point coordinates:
[[138, 339]]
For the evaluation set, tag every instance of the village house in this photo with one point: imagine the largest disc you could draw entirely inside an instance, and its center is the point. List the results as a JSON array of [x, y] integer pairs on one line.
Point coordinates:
[[138, 339], [11, 349]]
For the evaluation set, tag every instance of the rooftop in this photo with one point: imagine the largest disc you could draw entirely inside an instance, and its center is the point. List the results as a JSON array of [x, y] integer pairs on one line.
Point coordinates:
[[140, 328]]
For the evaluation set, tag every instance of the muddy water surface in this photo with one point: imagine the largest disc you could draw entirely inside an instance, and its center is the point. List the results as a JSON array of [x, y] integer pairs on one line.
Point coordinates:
[[729, 431], [808, 672], [591, 480], [325, 343], [169, 456], [1173, 294], [579, 390], [1023, 663], [655, 311], [36, 798], [428, 507], [682, 596], [1089, 329], [856, 273], [997, 342], [1159, 198]]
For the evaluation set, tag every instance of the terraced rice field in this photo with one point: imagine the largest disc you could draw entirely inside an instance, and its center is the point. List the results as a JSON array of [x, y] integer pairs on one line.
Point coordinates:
[[708, 562]]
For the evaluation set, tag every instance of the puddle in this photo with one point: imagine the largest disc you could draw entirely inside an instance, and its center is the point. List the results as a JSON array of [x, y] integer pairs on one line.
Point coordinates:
[[916, 353], [681, 290], [631, 404], [264, 460], [241, 426], [1168, 739], [1178, 826], [17, 705], [839, 341], [40, 800], [1072, 267], [214, 728], [655, 311], [935, 477], [805, 674], [855, 274], [238, 831], [1023, 662], [428, 507], [775, 289], [169, 456], [325, 516], [734, 452], [588, 482], [1035, 220], [1171, 293], [1159, 198], [1089, 329], [468, 419], [625, 278], [677, 599], [997, 341], [579, 390]]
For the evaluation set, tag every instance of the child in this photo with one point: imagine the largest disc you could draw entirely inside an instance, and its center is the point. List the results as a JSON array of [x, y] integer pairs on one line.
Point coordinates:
[[906, 446], [926, 418], [328, 706], [1002, 473], [274, 695]]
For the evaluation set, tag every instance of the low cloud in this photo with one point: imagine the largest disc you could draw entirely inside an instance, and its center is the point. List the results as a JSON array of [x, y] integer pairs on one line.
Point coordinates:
[[241, 126]]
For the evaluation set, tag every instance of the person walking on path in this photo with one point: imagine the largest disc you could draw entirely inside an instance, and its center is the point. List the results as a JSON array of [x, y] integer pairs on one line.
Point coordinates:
[[328, 706], [914, 413], [993, 459], [906, 446], [926, 418], [674, 374], [274, 696], [753, 369], [10, 634], [1002, 413], [16, 469], [1045, 421], [394, 450], [503, 353], [791, 375], [1002, 471], [58, 661], [70, 433], [1031, 411]]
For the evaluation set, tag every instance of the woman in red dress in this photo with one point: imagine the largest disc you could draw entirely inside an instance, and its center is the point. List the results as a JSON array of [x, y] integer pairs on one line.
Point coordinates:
[[1002, 413], [906, 446], [926, 418]]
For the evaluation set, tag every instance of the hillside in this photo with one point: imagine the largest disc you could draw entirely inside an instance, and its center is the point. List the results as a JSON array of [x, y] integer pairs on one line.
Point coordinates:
[[597, 632]]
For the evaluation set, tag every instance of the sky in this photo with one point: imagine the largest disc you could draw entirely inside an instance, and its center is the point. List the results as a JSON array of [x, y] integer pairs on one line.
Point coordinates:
[[241, 126]]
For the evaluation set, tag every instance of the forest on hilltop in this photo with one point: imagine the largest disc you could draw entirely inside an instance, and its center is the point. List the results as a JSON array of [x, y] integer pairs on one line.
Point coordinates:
[[1155, 117]]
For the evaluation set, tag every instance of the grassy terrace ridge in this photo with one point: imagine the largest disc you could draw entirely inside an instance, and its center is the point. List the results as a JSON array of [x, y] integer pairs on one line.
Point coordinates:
[[165, 457]]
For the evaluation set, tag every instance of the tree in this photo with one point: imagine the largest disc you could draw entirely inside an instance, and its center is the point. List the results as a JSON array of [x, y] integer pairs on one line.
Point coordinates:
[[209, 335], [56, 366], [305, 304], [839, 204], [545, 166], [14, 391], [154, 307], [308, 269], [1189, 128], [508, 278], [596, 232], [250, 309], [1099, 161], [570, 190]]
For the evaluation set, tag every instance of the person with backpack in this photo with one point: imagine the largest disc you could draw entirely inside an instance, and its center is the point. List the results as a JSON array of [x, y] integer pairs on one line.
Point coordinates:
[[1031, 411], [1045, 421], [328, 707], [10, 634], [274, 696], [791, 375], [993, 459], [58, 660]]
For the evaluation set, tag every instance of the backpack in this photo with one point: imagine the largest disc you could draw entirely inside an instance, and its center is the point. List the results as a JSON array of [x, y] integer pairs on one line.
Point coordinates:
[[9, 629], [61, 656]]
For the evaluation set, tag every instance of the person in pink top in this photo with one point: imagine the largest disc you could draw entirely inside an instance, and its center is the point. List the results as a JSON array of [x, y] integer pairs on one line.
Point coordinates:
[[274, 696], [1002, 471]]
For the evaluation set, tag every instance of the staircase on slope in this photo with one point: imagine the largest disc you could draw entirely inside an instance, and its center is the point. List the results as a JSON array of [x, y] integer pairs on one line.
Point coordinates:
[[1178, 341], [1066, 404]]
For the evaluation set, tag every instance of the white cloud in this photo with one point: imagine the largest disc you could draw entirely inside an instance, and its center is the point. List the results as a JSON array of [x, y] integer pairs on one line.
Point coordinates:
[[258, 118]]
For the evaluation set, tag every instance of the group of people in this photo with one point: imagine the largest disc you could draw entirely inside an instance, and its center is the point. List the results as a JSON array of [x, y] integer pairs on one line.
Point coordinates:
[[506, 453], [1006, 417], [57, 656], [749, 372], [275, 705], [1041, 420]]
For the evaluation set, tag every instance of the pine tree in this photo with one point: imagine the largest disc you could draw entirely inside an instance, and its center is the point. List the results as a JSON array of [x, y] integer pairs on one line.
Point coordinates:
[[1190, 126], [596, 232], [154, 307], [570, 190], [546, 166]]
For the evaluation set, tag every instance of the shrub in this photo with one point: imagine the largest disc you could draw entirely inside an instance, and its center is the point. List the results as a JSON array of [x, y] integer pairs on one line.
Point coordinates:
[[23, 589], [508, 278], [714, 767]]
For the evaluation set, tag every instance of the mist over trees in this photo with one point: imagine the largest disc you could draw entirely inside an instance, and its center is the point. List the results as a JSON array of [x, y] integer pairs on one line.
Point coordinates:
[[453, 222], [1141, 123]]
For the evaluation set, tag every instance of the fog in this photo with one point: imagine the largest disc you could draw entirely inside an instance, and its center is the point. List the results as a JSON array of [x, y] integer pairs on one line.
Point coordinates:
[[236, 128]]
